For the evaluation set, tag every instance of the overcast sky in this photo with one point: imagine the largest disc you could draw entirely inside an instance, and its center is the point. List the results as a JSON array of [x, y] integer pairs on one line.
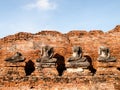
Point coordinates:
[[61, 15]]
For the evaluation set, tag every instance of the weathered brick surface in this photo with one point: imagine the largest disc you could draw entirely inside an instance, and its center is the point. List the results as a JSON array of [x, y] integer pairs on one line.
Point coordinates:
[[30, 46]]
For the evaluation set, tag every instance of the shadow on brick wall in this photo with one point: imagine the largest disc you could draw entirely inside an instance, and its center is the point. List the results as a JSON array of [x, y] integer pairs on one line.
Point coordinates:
[[60, 64], [29, 67], [91, 68], [118, 68]]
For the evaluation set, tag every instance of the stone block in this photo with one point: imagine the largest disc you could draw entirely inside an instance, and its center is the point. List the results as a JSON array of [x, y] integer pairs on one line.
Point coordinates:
[[106, 64], [76, 72], [107, 71], [15, 64]]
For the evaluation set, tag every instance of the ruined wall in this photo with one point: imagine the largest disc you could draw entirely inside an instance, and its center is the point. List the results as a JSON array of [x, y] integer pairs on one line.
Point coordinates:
[[30, 46]]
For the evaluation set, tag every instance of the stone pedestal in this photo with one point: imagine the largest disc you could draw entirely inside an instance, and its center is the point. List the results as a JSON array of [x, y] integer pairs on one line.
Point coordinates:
[[45, 70], [83, 65], [76, 72], [15, 64], [48, 65], [13, 71], [107, 68], [49, 72], [77, 69]]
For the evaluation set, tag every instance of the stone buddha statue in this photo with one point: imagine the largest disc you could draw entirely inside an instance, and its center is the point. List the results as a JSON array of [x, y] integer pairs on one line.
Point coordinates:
[[76, 60], [47, 56], [17, 57], [104, 55]]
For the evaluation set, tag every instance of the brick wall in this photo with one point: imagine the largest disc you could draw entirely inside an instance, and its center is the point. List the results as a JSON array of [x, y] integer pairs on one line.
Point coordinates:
[[30, 44]]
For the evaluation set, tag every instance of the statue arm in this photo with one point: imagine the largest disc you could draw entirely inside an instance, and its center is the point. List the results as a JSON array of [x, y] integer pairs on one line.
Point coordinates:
[[41, 53], [108, 55], [51, 55], [50, 52], [80, 56], [99, 51]]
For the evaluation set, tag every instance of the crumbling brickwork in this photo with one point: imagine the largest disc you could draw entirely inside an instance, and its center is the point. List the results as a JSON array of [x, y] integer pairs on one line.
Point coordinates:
[[30, 46]]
